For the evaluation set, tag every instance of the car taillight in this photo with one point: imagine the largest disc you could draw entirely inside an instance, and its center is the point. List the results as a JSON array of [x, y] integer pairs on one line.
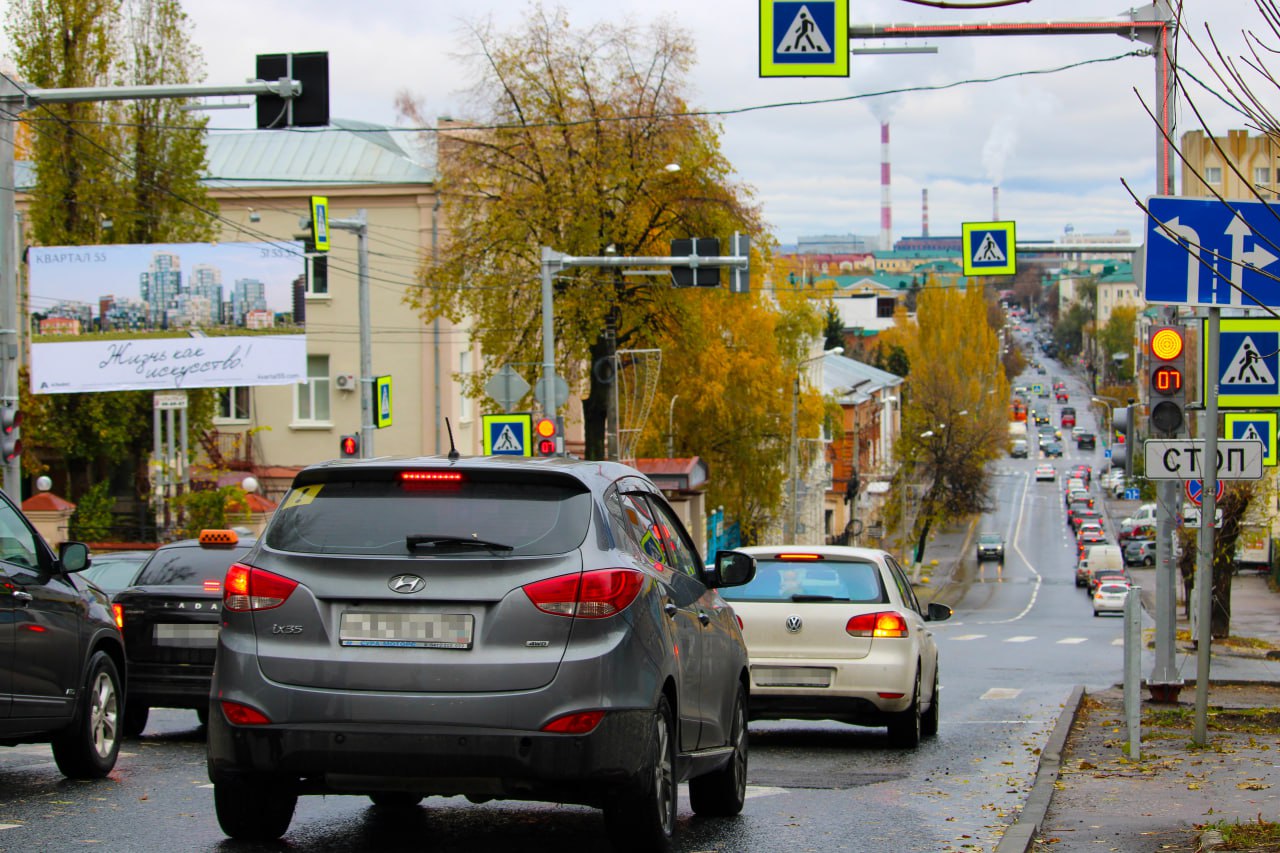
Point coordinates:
[[243, 715], [117, 610], [577, 723], [591, 595], [884, 624], [247, 588]]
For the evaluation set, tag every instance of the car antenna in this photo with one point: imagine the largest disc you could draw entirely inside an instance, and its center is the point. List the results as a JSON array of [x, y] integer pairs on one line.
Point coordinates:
[[453, 450]]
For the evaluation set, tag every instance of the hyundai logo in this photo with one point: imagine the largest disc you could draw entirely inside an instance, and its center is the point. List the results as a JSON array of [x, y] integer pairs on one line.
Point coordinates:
[[794, 624], [406, 584]]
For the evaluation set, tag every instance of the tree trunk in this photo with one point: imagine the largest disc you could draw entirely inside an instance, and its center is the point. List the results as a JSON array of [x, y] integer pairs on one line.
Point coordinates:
[[595, 408]]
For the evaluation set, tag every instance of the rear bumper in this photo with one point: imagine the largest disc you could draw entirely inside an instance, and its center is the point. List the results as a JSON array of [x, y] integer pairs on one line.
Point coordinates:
[[170, 685], [853, 695], [353, 758]]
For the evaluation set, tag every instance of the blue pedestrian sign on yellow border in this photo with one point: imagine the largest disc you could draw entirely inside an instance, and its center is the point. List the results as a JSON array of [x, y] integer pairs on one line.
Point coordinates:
[[989, 248], [1248, 363], [382, 388], [1254, 426], [507, 435], [809, 38]]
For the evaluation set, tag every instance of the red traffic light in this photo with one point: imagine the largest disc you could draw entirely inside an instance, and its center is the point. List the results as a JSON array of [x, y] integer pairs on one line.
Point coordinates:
[[349, 446], [545, 431], [1166, 380]]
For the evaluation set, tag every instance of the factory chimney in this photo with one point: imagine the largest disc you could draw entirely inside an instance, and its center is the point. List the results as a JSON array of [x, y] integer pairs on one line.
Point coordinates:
[[886, 212], [995, 204], [924, 213]]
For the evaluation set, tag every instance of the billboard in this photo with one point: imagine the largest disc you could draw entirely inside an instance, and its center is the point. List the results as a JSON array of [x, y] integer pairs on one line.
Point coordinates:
[[165, 316]]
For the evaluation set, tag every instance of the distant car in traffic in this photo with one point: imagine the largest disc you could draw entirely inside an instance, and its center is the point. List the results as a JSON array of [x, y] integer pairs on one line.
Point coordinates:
[[1019, 449], [1110, 598], [1052, 450], [990, 547], [1045, 471], [1085, 439], [1140, 552], [112, 571]]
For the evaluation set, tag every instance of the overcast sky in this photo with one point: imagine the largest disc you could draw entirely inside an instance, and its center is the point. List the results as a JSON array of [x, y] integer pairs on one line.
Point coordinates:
[[1058, 145]]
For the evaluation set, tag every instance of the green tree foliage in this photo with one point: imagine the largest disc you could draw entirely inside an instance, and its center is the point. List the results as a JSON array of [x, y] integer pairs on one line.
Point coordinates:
[[1236, 499], [213, 509], [573, 132], [92, 520], [129, 165], [956, 416], [833, 333], [1116, 338]]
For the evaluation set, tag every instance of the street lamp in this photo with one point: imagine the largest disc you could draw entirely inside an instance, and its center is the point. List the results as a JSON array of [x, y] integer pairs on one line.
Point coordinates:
[[793, 458]]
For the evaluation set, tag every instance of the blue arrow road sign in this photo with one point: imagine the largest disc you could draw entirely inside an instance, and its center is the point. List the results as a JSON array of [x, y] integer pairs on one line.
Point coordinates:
[[1197, 248]]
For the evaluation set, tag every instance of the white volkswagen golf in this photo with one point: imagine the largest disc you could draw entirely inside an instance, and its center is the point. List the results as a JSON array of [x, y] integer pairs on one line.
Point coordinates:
[[836, 633]]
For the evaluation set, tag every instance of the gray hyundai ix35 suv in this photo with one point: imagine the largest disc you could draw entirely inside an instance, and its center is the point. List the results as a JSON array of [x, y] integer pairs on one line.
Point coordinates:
[[489, 627]]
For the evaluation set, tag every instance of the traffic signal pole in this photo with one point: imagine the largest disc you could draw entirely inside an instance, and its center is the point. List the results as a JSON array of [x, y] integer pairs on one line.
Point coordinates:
[[360, 226], [1208, 513]]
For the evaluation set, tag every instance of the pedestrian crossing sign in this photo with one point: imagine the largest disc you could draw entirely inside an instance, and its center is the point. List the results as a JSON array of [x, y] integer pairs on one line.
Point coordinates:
[[507, 435], [1254, 426], [1248, 363], [809, 38], [989, 248]]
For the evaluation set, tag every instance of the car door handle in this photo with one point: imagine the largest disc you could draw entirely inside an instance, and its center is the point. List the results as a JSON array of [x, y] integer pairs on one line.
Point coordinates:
[[703, 617], [24, 597], [671, 609]]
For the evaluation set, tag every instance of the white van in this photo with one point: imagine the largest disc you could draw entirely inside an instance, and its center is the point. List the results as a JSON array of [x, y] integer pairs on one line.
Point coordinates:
[[1146, 514], [1099, 558]]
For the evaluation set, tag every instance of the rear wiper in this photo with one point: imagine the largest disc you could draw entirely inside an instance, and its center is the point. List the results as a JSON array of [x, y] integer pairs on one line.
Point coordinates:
[[801, 597], [426, 540]]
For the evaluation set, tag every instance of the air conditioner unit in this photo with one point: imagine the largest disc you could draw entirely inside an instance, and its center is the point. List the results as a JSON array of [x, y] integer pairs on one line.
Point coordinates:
[[346, 381]]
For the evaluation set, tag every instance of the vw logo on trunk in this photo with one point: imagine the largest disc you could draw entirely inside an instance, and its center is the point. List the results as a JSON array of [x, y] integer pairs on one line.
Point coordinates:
[[406, 584], [794, 624]]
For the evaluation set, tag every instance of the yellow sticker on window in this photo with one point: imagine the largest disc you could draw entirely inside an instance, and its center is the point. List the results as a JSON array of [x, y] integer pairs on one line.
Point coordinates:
[[302, 496]]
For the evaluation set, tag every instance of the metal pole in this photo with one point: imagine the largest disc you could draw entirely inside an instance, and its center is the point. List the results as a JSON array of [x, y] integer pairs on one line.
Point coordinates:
[[1132, 668], [671, 433], [170, 481], [183, 450], [360, 226], [9, 311], [1208, 509], [435, 324], [793, 464], [157, 463], [549, 258]]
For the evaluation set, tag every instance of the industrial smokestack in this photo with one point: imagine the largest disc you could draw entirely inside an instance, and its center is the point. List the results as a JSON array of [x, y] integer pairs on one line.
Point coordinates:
[[995, 204], [886, 212], [924, 213]]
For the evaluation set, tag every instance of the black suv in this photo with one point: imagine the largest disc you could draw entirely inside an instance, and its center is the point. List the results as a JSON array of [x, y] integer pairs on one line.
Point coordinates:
[[1085, 440], [63, 663], [170, 618]]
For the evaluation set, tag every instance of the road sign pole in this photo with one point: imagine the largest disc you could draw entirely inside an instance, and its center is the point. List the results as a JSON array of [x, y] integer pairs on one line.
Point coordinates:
[[1204, 559]]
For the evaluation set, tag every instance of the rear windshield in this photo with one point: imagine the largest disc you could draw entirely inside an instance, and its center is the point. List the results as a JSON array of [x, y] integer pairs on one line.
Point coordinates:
[[819, 580], [188, 565], [386, 516]]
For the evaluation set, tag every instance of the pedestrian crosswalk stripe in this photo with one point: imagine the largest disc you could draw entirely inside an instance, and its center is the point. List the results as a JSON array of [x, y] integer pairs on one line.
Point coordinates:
[[1019, 639], [1119, 641], [1071, 641], [969, 637], [1002, 693]]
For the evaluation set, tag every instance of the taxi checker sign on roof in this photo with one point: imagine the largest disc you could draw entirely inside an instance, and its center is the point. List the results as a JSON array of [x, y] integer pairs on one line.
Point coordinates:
[[804, 39], [989, 248]]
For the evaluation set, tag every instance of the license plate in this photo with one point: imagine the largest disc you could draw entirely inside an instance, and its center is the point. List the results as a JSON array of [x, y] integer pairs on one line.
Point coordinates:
[[792, 676], [407, 630], [187, 636]]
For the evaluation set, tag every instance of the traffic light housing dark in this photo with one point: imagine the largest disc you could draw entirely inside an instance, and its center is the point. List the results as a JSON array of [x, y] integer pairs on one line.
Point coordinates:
[[703, 276], [544, 433], [349, 447], [1166, 374], [10, 433], [309, 109], [1122, 449]]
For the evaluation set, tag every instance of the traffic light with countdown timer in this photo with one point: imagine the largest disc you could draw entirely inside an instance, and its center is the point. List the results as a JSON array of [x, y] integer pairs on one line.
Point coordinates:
[[544, 432], [1122, 448], [1166, 374], [10, 433], [349, 447]]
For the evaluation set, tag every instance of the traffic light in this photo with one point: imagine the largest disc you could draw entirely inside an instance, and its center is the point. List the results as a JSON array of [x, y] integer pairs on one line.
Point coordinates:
[[10, 433], [349, 447], [1122, 448], [1167, 368], [703, 247], [545, 432]]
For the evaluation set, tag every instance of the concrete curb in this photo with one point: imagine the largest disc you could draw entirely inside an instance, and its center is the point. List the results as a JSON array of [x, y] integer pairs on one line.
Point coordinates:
[[1021, 835]]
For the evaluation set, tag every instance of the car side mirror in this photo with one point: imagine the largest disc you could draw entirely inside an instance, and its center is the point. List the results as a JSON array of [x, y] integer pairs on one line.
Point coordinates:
[[73, 556], [938, 612], [731, 568]]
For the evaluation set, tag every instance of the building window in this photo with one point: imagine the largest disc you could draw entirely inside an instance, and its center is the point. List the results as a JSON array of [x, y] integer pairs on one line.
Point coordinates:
[[464, 374], [317, 270], [885, 306], [1262, 177], [313, 395], [233, 404], [1213, 174]]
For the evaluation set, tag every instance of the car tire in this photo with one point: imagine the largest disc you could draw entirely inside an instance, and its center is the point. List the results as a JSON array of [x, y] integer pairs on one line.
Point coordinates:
[[641, 816], [88, 748], [929, 720], [135, 717], [254, 809], [395, 799], [905, 726], [1148, 561], [723, 792]]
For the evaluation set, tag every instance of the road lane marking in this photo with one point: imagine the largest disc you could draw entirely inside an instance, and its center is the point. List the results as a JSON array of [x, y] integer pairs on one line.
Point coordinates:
[[969, 637], [1020, 639], [1002, 693], [1017, 534], [11, 825], [1072, 641], [763, 791]]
